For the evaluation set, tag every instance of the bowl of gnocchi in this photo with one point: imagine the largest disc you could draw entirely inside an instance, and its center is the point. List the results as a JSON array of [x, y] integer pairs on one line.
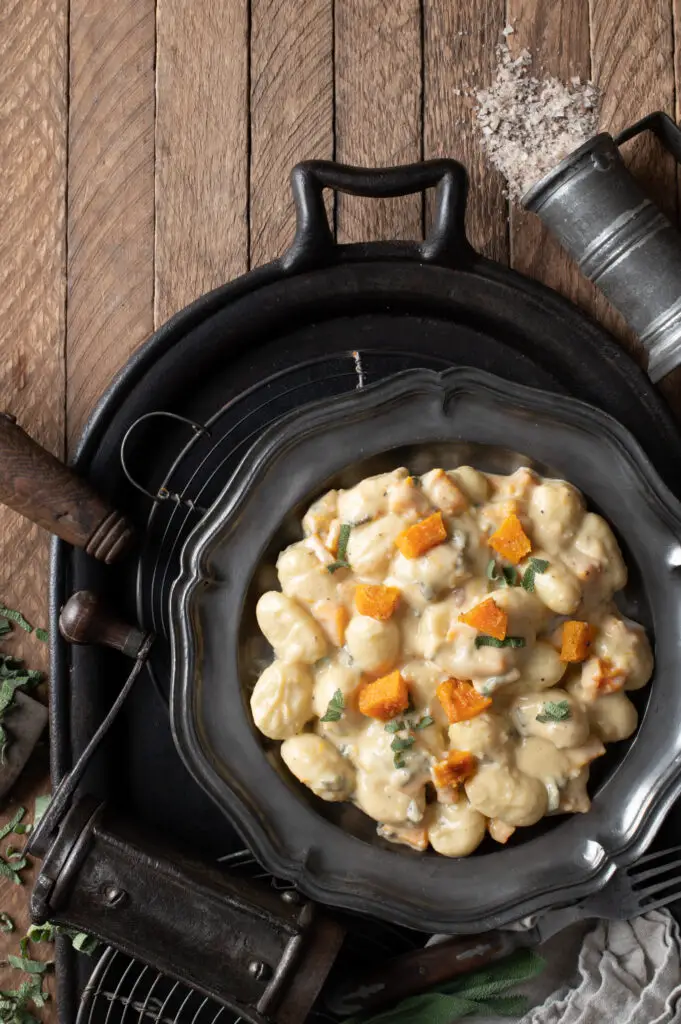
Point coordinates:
[[425, 650], [447, 653]]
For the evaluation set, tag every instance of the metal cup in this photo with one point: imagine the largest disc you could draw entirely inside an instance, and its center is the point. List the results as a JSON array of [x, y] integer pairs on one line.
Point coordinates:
[[620, 239]]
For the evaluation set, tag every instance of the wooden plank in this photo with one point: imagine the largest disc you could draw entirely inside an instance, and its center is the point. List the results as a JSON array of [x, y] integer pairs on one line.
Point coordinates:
[[291, 111], [33, 75], [378, 109], [632, 50], [556, 32], [201, 148], [459, 57], [33, 48], [110, 194]]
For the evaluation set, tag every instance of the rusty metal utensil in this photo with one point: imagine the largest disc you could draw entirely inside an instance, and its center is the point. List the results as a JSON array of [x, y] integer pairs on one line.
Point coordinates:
[[618, 236]]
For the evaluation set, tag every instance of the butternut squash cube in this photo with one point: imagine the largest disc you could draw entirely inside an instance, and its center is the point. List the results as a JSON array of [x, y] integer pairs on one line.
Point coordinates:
[[510, 540], [384, 698], [422, 536]]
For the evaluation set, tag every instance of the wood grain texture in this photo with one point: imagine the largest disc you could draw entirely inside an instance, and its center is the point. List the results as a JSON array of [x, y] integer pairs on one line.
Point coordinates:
[[459, 58], [291, 111], [378, 109], [201, 148], [556, 32], [33, 48], [33, 77], [110, 194], [635, 80]]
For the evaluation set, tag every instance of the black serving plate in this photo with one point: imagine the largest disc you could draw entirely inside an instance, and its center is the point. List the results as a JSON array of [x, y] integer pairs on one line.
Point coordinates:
[[331, 851], [236, 360]]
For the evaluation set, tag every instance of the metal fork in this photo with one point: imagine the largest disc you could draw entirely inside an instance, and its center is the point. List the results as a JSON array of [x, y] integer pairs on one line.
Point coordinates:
[[651, 882]]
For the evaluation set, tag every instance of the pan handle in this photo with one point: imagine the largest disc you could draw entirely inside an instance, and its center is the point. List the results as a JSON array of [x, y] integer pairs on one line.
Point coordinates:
[[44, 490], [314, 246]]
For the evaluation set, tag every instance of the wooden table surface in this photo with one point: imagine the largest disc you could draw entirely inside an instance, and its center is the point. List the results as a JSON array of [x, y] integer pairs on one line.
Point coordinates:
[[144, 158]]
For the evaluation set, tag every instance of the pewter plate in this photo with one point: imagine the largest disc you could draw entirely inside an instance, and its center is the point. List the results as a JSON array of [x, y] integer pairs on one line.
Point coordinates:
[[331, 852]]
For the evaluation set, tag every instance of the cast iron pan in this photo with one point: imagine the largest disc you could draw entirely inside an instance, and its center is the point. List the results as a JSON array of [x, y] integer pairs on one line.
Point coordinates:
[[419, 419]]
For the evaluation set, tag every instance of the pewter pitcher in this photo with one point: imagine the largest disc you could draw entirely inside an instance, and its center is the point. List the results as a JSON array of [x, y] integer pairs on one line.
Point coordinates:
[[620, 239]]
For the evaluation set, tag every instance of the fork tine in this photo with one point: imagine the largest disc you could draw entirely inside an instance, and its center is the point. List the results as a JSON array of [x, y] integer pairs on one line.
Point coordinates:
[[664, 901], [655, 855], [659, 869], [649, 890]]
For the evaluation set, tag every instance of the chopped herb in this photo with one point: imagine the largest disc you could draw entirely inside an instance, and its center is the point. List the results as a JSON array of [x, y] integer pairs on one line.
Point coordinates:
[[510, 576], [398, 761], [14, 1002], [342, 550], [555, 711], [401, 743], [491, 641], [425, 722], [14, 616], [537, 565], [13, 853], [5, 626], [335, 708], [43, 635], [337, 565], [6, 922], [23, 963], [12, 825], [394, 726], [48, 932], [507, 577]]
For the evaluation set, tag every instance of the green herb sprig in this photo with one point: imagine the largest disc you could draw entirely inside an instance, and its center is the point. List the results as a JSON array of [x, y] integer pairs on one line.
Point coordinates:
[[555, 711], [342, 550], [491, 641], [506, 575], [536, 566], [8, 615], [399, 746], [335, 708]]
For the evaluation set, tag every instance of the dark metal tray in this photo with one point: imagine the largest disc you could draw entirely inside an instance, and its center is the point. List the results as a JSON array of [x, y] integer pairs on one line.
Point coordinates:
[[235, 360]]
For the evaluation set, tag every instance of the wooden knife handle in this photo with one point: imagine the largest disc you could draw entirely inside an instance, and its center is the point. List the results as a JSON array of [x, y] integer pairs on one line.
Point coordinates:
[[86, 619], [413, 973], [44, 490]]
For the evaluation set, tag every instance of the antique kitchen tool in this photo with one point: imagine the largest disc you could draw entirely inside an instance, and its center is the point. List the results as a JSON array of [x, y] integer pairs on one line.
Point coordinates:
[[620, 239]]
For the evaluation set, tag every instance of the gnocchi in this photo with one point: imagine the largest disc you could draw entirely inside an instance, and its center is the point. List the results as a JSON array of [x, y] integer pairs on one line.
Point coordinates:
[[447, 712]]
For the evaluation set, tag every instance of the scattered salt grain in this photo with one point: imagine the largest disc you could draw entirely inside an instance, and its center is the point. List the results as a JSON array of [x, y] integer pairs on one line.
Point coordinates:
[[528, 125]]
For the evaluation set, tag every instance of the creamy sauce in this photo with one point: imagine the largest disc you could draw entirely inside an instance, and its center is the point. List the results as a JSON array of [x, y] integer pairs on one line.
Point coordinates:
[[546, 719]]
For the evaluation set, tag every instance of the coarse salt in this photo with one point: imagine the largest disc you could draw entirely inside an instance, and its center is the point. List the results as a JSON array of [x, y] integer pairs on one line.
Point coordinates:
[[528, 125]]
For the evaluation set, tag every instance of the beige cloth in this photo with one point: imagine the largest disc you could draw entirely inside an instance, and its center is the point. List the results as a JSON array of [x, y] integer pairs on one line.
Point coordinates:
[[616, 972]]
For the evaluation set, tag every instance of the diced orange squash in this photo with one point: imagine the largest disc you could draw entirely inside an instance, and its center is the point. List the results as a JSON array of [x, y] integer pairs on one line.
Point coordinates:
[[421, 537], [455, 769], [415, 836], [460, 700], [376, 600], [487, 618], [499, 830], [333, 618], [608, 679], [510, 540], [577, 639], [384, 698]]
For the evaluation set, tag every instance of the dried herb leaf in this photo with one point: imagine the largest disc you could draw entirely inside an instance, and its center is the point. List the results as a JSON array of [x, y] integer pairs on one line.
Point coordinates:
[[491, 641], [555, 711], [537, 565], [15, 616], [335, 708], [395, 725], [11, 826], [6, 922], [23, 963], [424, 722], [339, 564]]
